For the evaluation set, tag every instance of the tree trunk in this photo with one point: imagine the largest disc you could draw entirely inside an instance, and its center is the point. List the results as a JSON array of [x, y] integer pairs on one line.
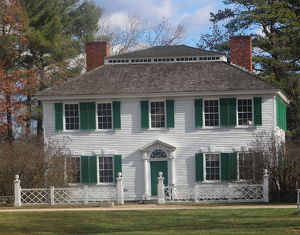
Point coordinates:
[[39, 123]]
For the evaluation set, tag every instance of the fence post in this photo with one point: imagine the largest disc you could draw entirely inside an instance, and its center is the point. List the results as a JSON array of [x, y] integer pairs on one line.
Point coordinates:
[[196, 193], [230, 192], [120, 190], [266, 187], [160, 189], [17, 191], [85, 198], [51, 195]]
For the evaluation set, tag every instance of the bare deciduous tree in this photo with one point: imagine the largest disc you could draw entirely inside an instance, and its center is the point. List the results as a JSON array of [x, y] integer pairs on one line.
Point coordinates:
[[135, 34], [38, 167], [280, 157]]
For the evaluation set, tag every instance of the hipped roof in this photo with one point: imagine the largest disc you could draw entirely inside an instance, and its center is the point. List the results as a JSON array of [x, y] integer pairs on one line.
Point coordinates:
[[160, 78]]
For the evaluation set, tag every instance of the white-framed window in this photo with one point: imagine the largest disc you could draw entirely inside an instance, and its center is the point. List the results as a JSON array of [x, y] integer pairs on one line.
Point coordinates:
[[104, 115], [212, 167], [245, 114], [72, 116], [158, 114], [211, 112], [246, 166], [73, 169], [106, 170]]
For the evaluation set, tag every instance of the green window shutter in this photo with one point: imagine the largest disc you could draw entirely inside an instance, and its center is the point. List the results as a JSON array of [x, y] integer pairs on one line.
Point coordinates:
[[58, 107], [233, 165], [83, 116], [117, 166], [198, 106], [92, 115], [144, 114], [87, 116], [225, 167], [223, 112], [199, 167], [280, 114], [257, 111], [232, 111], [85, 179], [170, 113], [116, 114], [227, 111], [89, 170], [93, 168]]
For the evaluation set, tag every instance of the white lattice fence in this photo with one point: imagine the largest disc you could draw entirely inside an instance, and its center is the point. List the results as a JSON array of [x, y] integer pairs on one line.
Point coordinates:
[[214, 193], [75, 195], [68, 195], [102, 194], [211, 193], [35, 196], [179, 194], [247, 193]]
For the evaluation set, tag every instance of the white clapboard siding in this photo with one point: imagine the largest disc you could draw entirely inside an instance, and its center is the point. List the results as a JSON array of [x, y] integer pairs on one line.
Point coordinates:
[[188, 139]]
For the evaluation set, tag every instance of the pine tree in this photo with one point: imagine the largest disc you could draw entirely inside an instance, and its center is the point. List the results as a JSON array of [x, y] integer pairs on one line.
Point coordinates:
[[15, 83], [276, 47]]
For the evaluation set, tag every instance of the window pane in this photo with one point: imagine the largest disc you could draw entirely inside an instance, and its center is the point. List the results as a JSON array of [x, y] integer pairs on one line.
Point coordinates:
[[157, 114], [212, 163], [104, 116], [211, 112], [71, 116], [106, 169], [73, 169], [245, 112]]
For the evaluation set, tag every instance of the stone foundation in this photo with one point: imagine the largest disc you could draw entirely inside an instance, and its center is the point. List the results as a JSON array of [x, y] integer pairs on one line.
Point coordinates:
[[7, 200]]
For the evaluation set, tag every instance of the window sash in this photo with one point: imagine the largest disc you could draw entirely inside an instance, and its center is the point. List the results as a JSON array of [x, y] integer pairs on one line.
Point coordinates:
[[246, 166], [158, 114], [245, 112], [211, 112], [73, 169], [212, 167], [104, 116], [71, 116], [106, 170]]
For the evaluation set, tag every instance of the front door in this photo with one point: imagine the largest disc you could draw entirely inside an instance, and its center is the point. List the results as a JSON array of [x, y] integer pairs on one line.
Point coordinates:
[[158, 166]]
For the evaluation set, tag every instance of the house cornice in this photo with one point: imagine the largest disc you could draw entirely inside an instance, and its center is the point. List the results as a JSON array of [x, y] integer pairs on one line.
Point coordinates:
[[166, 95]]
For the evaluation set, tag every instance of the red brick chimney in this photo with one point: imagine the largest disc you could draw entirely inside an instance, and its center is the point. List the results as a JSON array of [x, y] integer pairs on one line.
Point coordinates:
[[241, 51], [95, 52]]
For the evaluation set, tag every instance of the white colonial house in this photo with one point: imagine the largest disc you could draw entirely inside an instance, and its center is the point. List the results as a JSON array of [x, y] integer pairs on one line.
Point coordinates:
[[179, 110]]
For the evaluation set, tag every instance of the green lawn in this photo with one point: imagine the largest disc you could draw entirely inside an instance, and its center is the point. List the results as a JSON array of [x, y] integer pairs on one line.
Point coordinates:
[[216, 221]]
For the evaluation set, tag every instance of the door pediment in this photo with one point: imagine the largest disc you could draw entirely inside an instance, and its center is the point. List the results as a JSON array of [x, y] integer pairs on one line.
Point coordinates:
[[159, 144]]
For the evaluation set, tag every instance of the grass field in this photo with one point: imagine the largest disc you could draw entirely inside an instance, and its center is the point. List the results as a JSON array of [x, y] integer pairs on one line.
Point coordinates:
[[236, 221]]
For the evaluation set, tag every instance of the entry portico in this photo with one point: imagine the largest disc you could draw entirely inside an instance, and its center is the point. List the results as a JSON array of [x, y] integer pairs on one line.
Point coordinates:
[[157, 156]]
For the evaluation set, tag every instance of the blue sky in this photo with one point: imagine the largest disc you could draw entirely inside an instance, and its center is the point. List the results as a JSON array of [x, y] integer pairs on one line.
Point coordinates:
[[192, 14]]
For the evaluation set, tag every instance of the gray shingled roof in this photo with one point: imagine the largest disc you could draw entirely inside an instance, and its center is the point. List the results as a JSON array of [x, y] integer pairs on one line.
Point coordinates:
[[166, 51], [160, 77]]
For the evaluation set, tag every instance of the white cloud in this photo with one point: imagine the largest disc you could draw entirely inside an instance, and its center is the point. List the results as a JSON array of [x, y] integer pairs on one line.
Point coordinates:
[[199, 19], [192, 14]]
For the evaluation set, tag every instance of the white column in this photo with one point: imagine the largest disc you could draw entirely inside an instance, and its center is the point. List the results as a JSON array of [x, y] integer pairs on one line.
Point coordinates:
[[266, 187], [120, 192], [17, 191], [172, 169], [146, 195], [85, 197], [160, 189]]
